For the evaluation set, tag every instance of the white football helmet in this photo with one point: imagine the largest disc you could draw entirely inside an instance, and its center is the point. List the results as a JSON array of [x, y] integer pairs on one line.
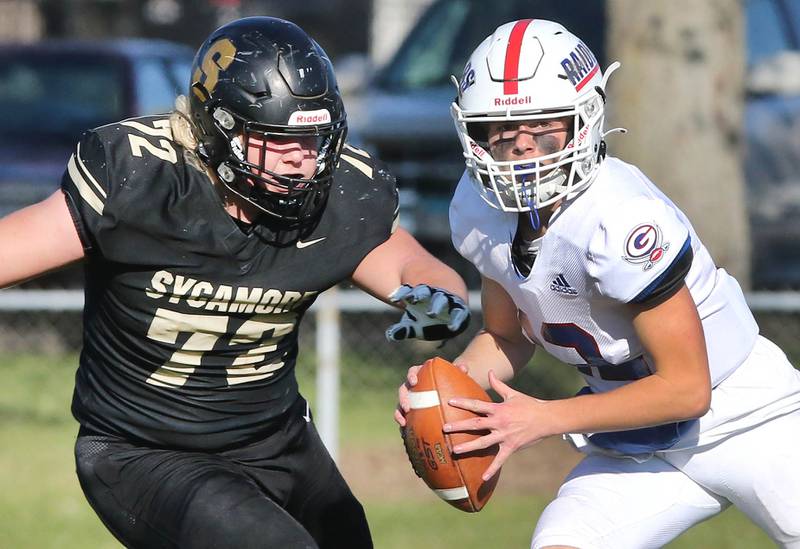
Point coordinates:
[[531, 70]]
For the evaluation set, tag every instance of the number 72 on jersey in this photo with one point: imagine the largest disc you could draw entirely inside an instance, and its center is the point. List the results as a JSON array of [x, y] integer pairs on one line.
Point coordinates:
[[204, 331]]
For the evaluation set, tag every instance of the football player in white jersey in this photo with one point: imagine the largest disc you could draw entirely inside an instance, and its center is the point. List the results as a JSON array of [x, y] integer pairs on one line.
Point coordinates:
[[687, 409]]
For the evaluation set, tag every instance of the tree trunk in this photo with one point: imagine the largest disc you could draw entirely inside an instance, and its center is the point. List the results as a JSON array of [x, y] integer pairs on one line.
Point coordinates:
[[20, 21], [391, 20], [680, 94]]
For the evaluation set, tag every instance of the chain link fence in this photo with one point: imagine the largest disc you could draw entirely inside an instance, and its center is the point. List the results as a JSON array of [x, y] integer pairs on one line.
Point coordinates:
[[369, 362], [52, 326], [343, 348]]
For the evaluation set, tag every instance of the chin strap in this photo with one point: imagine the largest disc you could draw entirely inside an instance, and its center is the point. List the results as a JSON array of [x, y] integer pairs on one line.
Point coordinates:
[[533, 214]]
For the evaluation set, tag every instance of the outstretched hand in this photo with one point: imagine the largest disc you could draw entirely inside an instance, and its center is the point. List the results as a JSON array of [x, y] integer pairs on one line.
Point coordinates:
[[517, 422], [430, 314]]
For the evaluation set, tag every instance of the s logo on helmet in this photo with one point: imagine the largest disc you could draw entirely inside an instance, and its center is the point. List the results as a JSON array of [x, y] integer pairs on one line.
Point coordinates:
[[467, 79], [643, 245], [218, 58]]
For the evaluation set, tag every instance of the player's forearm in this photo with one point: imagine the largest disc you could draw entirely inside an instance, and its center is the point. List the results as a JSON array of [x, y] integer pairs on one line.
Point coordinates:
[[642, 403], [37, 239], [402, 260], [488, 351], [426, 269]]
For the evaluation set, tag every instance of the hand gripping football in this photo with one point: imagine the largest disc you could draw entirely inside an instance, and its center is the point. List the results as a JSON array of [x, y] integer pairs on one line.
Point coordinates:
[[454, 478]]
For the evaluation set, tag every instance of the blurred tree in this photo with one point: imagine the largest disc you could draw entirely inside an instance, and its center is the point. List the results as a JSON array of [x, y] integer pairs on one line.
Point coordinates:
[[20, 20], [91, 19], [391, 20], [680, 94]]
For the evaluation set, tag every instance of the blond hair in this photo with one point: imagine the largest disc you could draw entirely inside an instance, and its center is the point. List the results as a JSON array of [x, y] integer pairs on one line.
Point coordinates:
[[180, 122]]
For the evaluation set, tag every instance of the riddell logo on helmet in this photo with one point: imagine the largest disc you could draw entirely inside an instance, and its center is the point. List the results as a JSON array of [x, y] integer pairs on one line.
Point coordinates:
[[476, 149], [310, 118], [504, 101], [582, 134]]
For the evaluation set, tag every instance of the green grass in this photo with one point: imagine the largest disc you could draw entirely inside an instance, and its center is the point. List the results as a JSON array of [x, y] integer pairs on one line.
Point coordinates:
[[510, 522], [42, 505], [501, 524]]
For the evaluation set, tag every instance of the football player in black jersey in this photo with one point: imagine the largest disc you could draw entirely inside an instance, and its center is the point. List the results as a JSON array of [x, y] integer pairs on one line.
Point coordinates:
[[206, 235]]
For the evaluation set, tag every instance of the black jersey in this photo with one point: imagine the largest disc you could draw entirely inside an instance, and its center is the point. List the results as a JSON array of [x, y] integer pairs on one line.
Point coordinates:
[[191, 323]]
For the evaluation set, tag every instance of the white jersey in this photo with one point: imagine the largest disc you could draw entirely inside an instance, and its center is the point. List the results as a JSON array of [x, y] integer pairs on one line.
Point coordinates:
[[607, 248]]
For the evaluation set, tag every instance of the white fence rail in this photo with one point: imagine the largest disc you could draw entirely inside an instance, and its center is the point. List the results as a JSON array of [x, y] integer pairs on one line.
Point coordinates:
[[327, 310]]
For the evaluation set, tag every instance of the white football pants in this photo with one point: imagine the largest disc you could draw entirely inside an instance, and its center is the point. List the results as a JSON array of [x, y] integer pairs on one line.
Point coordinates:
[[618, 502]]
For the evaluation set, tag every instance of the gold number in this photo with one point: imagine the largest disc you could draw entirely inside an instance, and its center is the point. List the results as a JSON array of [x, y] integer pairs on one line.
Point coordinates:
[[164, 150], [205, 330], [166, 326], [242, 369]]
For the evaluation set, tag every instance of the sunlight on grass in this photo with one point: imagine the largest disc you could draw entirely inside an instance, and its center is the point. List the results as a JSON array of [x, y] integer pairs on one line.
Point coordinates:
[[43, 507], [509, 522]]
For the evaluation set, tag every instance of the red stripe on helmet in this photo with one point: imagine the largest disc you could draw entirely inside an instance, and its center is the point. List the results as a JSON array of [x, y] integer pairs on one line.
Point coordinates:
[[586, 78], [511, 70]]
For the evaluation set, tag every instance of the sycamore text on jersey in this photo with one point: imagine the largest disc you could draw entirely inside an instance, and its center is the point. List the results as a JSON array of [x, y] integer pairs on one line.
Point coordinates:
[[203, 294]]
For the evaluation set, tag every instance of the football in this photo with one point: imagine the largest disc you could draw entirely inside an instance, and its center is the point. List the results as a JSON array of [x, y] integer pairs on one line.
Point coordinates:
[[454, 478]]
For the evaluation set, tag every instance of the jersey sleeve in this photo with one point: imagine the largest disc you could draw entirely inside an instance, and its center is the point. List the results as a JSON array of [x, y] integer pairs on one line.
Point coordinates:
[[86, 186], [377, 202], [641, 252], [391, 197]]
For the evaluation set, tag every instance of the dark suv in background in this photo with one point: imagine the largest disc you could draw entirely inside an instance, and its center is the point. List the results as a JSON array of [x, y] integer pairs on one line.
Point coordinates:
[[403, 116], [50, 92]]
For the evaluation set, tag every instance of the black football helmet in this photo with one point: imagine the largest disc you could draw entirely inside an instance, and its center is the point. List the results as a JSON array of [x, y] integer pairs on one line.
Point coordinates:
[[259, 79]]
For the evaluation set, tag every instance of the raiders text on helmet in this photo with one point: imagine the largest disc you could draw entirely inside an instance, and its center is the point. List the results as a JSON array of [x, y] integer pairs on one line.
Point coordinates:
[[531, 70], [259, 79]]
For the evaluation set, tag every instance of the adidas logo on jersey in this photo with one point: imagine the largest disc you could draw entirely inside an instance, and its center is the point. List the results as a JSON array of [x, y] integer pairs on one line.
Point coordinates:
[[561, 285]]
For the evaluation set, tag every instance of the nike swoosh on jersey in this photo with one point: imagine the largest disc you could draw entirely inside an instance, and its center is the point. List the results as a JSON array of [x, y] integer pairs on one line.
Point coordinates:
[[301, 244]]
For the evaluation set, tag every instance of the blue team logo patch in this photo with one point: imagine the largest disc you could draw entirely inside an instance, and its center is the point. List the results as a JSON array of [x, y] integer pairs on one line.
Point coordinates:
[[644, 245]]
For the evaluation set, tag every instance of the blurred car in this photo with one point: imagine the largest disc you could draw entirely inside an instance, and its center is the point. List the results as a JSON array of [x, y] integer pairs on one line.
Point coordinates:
[[772, 141], [403, 116], [50, 92]]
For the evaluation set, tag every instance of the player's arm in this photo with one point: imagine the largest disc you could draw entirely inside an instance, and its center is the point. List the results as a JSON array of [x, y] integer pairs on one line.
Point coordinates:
[[402, 260], [679, 389], [500, 345], [38, 239], [666, 322], [401, 272]]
